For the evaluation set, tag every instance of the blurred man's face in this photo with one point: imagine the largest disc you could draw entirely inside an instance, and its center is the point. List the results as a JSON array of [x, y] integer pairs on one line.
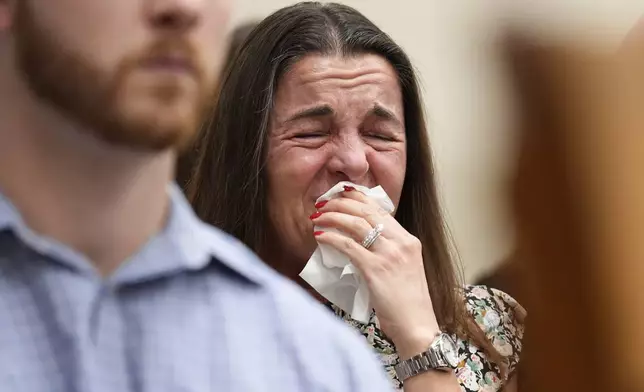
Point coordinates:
[[137, 73]]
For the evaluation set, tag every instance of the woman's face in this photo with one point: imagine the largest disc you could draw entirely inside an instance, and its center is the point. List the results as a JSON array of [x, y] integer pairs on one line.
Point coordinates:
[[334, 119]]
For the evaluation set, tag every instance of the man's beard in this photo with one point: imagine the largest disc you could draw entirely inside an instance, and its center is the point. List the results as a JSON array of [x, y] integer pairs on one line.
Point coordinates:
[[102, 103]]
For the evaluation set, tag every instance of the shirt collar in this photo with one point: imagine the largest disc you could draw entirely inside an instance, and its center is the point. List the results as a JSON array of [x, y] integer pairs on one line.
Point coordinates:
[[185, 244]]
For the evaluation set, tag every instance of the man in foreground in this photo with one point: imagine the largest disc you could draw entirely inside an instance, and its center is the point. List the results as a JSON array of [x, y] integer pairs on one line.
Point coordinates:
[[108, 282]]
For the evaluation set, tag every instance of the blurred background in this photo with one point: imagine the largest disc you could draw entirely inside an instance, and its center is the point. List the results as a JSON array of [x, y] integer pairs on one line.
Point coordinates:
[[452, 44]]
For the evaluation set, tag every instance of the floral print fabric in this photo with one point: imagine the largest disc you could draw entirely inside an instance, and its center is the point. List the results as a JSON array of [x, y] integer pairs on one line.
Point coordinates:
[[495, 312]]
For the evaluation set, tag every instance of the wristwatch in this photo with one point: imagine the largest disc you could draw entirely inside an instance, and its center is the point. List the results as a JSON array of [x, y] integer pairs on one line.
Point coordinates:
[[442, 355]]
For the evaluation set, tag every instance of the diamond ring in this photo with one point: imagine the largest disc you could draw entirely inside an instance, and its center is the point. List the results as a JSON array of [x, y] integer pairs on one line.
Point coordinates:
[[372, 236]]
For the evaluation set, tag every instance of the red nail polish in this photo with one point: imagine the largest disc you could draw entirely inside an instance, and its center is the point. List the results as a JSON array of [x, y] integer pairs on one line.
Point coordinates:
[[321, 204], [349, 188], [315, 215], [317, 233]]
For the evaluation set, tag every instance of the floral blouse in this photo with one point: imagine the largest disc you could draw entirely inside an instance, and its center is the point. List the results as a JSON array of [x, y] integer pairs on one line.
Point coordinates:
[[498, 315]]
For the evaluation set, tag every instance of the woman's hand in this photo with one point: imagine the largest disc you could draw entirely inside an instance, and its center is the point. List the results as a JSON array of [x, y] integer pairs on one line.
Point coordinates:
[[392, 268]]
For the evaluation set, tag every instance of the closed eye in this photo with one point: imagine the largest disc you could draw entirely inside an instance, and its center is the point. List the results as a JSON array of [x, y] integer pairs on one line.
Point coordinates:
[[309, 135], [381, 137]]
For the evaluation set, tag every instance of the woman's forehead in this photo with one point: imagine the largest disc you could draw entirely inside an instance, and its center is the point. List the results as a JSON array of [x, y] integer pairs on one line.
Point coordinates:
[[336, 83]]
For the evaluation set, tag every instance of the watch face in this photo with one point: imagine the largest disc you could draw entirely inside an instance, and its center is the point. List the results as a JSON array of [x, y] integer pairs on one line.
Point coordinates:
[[450, 351]]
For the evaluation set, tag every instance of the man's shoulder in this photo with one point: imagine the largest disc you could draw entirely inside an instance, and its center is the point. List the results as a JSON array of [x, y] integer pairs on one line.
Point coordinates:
[[333, 354], [228, 250], [290, 298], [329, 352]]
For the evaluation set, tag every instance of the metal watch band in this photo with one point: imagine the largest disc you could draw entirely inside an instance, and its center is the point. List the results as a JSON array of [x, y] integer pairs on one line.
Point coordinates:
[[432, 359], [418, 364]]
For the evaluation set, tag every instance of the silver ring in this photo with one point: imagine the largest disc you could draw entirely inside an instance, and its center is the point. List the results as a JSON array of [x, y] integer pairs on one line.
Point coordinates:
[[372, 236]]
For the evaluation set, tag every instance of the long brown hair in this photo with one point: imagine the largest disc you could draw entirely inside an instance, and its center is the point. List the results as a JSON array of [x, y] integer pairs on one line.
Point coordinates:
[[229, 188]]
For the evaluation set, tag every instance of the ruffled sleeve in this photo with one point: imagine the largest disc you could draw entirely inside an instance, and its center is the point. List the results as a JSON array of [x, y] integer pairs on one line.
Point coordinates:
[[501, 317]]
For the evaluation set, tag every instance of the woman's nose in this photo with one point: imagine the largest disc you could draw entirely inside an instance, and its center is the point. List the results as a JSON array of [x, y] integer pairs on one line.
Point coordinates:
[[349, 160]]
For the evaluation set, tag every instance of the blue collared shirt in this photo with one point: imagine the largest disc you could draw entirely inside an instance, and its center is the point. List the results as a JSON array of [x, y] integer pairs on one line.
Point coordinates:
[[193, 311]]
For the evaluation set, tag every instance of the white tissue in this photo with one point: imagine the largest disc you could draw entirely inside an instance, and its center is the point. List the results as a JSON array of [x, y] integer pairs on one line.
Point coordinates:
[[331, 273]]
